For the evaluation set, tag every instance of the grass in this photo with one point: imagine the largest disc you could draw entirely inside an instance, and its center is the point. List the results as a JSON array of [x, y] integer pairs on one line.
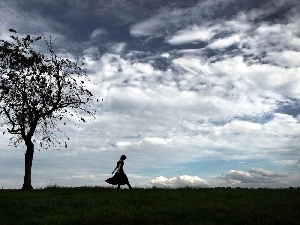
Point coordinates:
[[97, 205]]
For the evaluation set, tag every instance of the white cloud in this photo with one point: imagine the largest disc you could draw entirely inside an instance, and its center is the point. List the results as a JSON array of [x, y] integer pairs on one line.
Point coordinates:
[[156, 140], [84, 176], [192, 34], [267, 30], [243, 140], [165, 55], [181, 181], [271, 38], [285, 58], [123, 144], [149, 108], [265, 80], [225, 42], [140, 68], [230, 82]]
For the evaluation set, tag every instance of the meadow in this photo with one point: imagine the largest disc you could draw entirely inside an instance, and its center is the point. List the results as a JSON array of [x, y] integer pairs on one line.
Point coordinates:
[[99, 205]]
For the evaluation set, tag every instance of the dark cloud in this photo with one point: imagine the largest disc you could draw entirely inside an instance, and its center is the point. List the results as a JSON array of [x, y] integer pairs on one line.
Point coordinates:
[[253, 176]]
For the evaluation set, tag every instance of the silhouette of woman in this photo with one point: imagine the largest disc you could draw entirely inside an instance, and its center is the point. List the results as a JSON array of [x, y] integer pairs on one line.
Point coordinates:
[[120, 177]]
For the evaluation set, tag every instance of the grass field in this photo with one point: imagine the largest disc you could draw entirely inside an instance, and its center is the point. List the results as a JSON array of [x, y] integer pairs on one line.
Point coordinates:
[[96, 205]]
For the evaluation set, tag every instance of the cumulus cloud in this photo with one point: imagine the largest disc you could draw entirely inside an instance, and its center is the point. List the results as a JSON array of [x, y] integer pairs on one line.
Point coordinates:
[[181, 181]]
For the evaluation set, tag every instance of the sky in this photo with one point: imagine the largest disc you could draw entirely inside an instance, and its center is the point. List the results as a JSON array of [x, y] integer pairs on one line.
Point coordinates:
[[200, 93]]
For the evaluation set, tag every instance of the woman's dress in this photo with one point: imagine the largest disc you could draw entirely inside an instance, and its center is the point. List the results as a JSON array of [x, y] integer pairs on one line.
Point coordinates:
[[119, 178]]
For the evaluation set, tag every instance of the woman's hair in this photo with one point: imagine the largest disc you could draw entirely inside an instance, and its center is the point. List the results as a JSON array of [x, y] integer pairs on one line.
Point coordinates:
[[123, 157]]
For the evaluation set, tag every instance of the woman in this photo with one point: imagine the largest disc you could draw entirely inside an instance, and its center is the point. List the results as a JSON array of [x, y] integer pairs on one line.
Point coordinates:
[[120, 177]]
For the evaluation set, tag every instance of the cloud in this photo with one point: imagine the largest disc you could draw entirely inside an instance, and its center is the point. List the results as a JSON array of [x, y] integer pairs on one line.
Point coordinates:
[[156, 140], [217, 105], [193, 22], [258, 177], [268, 38], [97, 33], [181, 181], [255, 177], [266, 80], [28, 22], [165, 55], [192, 34], [290, 162], [147, 28], [285, 58], [119, 47], [193, 65], [225, 42], [170, 21]]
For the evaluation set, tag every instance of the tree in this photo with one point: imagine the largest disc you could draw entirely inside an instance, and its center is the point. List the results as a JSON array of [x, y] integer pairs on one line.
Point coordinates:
[[37, 93]]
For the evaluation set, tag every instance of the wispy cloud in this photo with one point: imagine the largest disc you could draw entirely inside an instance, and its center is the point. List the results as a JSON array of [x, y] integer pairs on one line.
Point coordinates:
[[192, 34]]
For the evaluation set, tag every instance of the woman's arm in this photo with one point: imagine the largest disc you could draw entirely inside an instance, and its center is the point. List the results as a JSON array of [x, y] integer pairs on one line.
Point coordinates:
[[117, 168], [114, 170]]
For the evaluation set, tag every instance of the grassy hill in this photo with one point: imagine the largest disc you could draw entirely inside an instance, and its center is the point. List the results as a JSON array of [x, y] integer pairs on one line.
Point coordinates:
[[97, 205]]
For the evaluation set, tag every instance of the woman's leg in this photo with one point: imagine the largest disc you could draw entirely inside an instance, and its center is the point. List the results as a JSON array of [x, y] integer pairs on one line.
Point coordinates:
[[129, 185]]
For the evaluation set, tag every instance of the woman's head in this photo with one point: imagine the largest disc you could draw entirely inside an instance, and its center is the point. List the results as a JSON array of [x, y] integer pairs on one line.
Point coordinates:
[[123, 157]]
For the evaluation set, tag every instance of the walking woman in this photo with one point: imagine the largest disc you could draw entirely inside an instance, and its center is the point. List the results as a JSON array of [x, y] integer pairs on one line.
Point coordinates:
[[120, 177]]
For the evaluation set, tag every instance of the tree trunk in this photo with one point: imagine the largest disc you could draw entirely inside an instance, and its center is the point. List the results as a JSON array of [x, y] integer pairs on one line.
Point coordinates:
[[28, 164]]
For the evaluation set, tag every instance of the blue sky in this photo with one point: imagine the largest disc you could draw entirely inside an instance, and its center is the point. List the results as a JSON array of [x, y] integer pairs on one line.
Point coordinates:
[[198, 93]]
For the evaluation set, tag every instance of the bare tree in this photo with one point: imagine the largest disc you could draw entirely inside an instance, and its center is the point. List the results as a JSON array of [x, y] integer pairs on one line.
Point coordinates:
[[37, 92]]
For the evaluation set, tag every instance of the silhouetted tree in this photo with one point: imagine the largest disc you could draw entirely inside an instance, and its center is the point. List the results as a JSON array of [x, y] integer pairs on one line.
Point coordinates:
[[36, 92]]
